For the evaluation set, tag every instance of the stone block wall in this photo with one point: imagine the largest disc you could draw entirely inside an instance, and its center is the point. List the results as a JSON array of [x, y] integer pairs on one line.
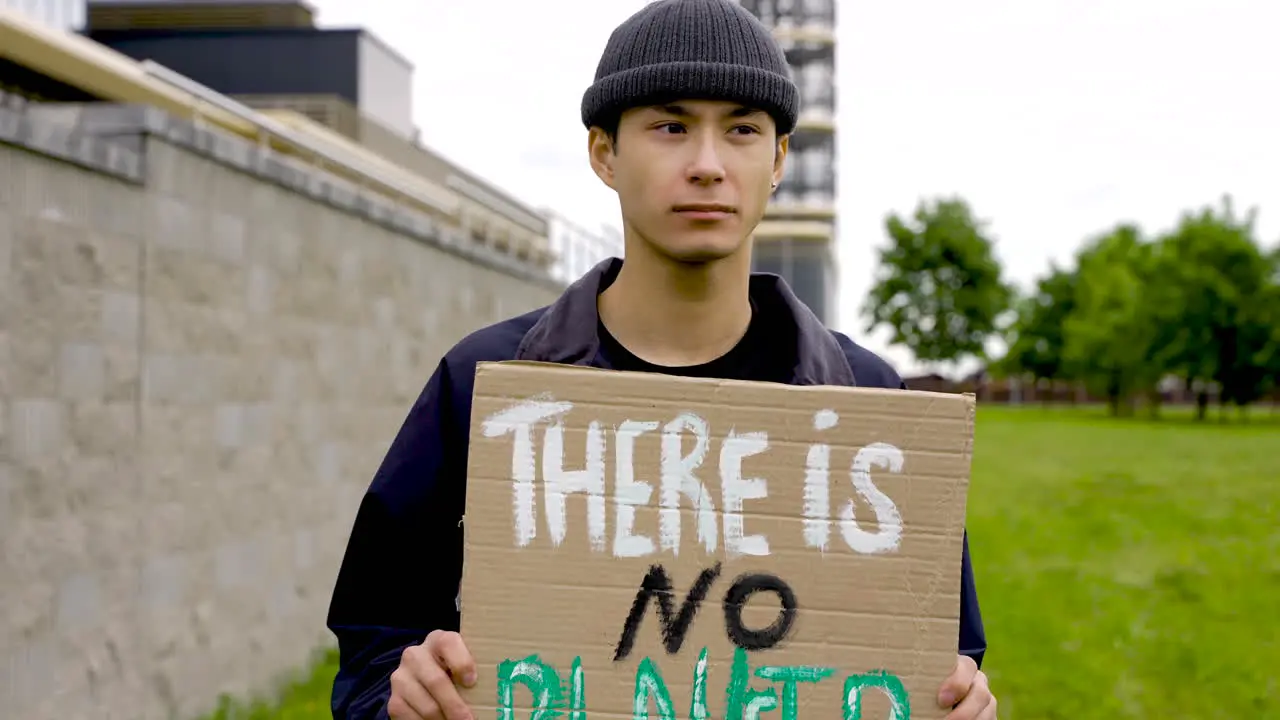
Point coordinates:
[[204, 353]]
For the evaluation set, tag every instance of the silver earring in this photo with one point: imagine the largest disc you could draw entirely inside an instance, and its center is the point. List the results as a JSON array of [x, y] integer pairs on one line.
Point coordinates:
[[773, 186]]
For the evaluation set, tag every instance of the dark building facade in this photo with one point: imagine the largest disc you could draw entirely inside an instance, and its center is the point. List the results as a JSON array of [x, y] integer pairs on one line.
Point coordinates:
[[263, 62], [797, 237], [266, 50]]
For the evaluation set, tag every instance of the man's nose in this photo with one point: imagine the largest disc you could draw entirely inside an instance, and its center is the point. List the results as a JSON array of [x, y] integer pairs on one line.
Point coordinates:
[[707, 168]]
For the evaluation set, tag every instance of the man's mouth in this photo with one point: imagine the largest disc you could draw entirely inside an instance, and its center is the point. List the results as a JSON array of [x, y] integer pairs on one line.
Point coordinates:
[[705, 211]]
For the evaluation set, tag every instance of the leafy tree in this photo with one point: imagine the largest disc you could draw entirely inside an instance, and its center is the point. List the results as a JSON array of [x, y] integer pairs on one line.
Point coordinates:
[[1270, 357], [1271, 301], [939, 284], [1251, 365], [1110, 333], [1207, 291], [1037, 338]]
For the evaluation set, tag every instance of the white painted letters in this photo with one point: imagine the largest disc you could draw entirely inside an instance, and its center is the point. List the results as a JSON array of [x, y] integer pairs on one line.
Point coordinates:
[[629, 493], [678, 479], [519, 419], [817, 485], [736, 488], [679, 482], [558, 482], [890, 521]]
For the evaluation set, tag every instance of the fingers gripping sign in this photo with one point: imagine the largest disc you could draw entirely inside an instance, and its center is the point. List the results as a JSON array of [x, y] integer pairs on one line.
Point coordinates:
[[424, 687], [966, 693]]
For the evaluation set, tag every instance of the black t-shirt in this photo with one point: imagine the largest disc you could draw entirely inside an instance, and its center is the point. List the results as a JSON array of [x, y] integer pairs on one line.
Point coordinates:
[[753, 358]]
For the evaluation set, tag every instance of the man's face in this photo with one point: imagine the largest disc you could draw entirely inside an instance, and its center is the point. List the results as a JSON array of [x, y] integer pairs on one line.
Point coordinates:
[[693, 177]]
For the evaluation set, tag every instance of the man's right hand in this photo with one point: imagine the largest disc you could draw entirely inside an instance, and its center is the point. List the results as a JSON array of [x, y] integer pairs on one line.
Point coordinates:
[[423, 687]]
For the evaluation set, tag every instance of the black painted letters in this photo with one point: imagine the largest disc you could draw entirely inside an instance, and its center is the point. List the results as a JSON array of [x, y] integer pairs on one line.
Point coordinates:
[[734, 600], [657, 585], [674, 627]]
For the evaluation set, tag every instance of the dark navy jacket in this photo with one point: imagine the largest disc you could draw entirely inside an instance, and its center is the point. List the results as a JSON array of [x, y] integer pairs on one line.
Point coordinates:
[[399, 578]]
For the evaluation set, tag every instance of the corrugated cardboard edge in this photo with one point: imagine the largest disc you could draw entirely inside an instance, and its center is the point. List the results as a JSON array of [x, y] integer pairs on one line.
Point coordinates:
[[487, 367]]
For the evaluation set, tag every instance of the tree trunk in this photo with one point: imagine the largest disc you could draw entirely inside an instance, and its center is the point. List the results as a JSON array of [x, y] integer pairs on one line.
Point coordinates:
[[1202, 405]]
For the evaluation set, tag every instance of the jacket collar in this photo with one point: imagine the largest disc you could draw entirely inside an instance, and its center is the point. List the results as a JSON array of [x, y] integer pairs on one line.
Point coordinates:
[[567, 332]]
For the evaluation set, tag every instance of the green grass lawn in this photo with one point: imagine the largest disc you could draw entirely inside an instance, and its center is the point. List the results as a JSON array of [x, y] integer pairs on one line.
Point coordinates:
[[1126, 568]]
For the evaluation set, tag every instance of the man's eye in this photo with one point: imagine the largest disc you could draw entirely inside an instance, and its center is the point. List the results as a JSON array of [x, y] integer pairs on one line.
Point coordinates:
[[671, 128], [745, 130]]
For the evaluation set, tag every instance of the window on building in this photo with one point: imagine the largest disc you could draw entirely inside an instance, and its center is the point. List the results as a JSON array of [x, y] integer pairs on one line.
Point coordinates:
[[810, 173], [805, 265], [809, 280], [816, 81], [819, 11]]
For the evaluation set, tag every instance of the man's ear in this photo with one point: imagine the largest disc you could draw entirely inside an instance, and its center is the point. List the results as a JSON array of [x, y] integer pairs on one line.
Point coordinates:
[[600, 149], [780, 159]]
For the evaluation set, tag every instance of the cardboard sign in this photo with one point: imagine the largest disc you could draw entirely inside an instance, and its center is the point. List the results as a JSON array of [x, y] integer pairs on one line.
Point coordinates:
[[645, 546]]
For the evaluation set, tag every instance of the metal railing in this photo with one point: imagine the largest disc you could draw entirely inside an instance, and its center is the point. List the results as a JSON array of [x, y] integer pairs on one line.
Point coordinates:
[[484, 197]]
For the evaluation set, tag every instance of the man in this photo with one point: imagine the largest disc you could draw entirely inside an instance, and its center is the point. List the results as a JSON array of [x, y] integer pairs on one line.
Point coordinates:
[[688, 122]]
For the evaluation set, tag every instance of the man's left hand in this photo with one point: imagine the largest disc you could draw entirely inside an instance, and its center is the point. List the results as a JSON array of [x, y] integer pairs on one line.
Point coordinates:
[[966, 693]]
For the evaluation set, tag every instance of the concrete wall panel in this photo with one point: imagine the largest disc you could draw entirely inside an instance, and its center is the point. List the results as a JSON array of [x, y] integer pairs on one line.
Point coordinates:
[[201, 366]]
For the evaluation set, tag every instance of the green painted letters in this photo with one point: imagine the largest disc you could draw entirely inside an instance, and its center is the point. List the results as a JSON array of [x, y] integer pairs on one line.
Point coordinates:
[[649, 683], [759, 701], [698, 704], [790, 676], [544, 682], [735, 693], [742, 702], [891, 685], [577, 692]]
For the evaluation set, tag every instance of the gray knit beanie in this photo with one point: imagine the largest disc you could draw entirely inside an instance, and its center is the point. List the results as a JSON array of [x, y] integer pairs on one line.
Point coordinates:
[[694, 49]]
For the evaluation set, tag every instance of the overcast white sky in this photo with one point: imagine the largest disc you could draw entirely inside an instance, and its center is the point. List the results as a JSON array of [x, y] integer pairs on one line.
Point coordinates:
[[1054, 118]]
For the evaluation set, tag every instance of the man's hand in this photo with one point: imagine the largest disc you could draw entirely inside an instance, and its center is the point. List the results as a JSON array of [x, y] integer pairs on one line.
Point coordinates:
[[966, 692], [422, 688]]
